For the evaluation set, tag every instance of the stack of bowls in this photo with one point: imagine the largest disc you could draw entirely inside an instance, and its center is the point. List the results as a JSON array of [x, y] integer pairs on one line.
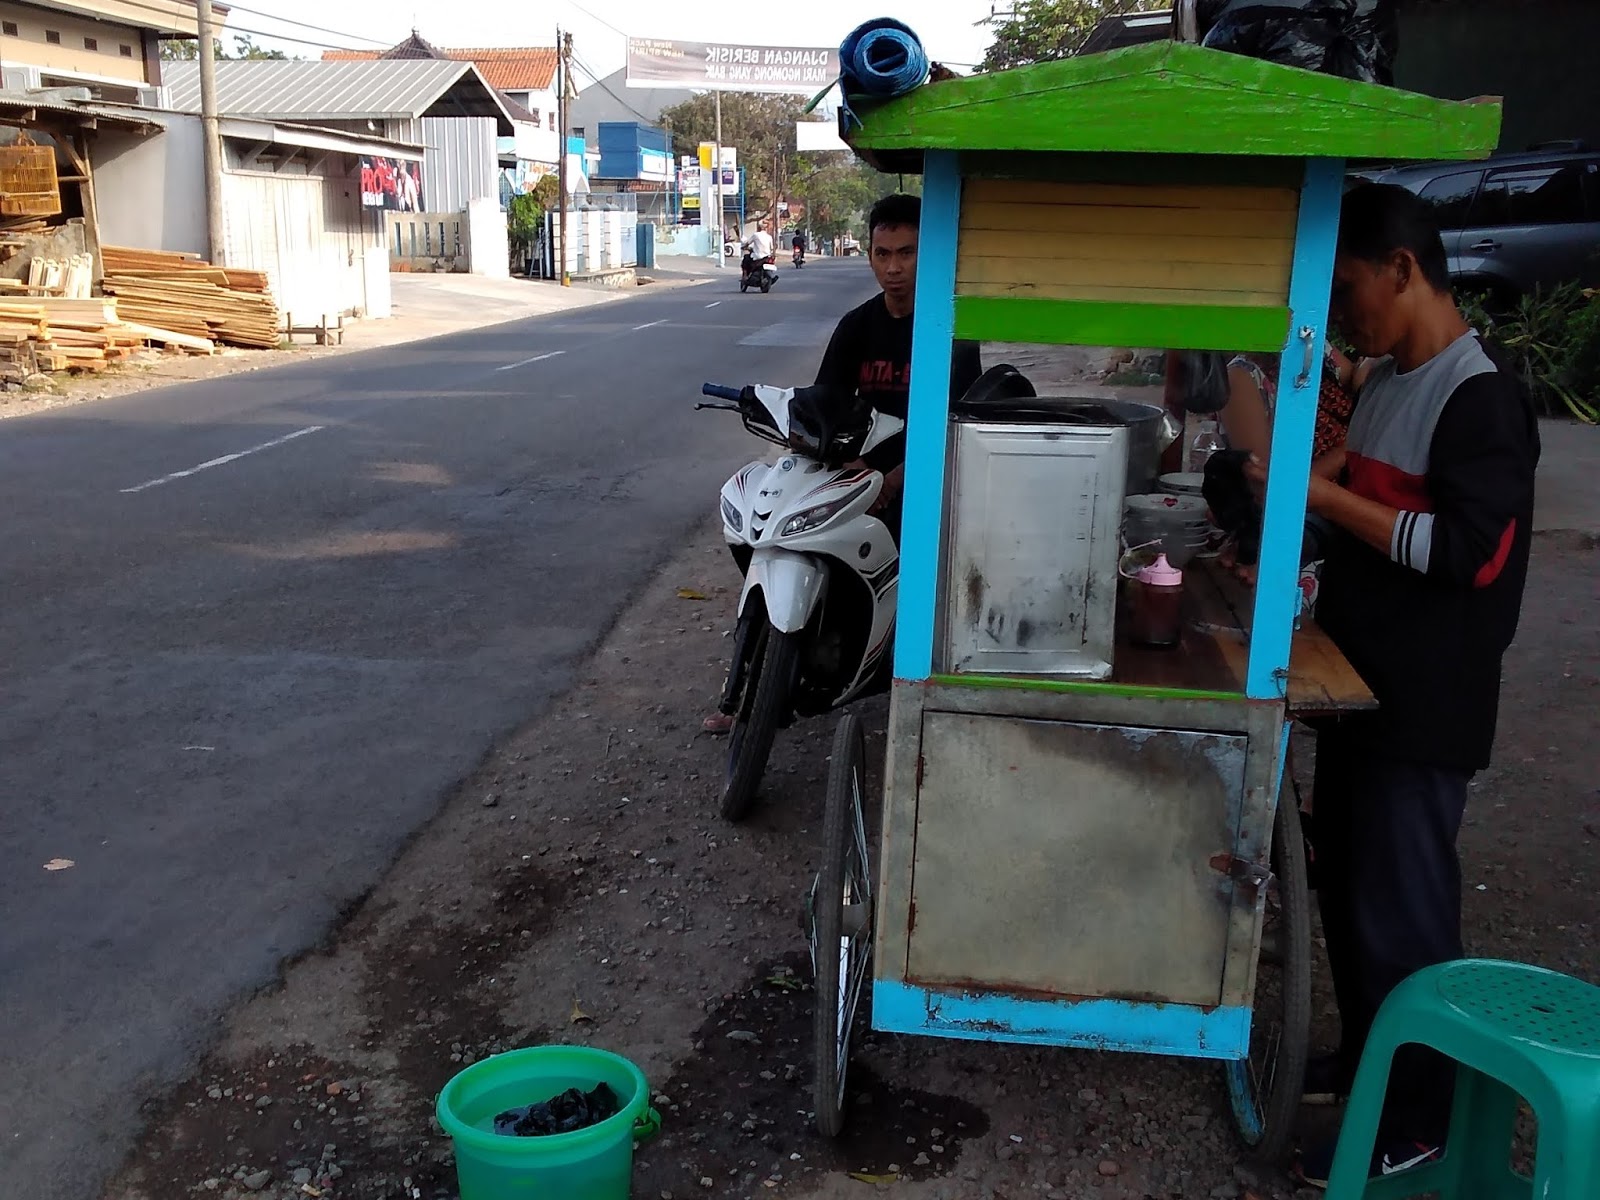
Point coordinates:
[[1181, 524], [1183, 483]]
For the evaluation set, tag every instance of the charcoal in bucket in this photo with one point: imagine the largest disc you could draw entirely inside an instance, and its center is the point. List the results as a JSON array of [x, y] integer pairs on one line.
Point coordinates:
[[570, 1111], [1354, 39]]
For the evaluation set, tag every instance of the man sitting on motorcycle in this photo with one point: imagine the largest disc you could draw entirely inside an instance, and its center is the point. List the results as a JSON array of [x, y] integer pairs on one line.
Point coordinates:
[[868, 359], [869, 356], [758, 249]]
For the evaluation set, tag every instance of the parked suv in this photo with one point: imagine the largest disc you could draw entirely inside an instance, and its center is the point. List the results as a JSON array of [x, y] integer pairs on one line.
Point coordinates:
[[1515, 222]]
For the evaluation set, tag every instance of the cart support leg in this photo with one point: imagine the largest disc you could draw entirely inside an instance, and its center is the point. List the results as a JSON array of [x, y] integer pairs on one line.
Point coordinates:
[[927, 429], [1299, 382]]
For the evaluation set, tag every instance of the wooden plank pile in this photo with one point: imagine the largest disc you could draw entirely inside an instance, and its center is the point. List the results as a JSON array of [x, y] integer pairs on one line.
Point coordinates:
[[53, 334], [183, 295]]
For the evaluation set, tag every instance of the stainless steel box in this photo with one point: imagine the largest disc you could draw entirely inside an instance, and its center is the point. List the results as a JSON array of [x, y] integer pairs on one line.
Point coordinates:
[[1031, 550]]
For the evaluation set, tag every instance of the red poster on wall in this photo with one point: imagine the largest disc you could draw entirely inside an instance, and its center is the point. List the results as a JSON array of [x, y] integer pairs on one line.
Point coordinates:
[[391, 184]]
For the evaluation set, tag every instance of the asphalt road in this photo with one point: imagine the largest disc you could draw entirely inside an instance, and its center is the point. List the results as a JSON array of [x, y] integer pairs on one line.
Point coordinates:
[[235, 686]]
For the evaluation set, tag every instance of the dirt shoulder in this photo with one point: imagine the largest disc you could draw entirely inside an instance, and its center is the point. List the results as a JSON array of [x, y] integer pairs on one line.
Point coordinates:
[[581, 888]]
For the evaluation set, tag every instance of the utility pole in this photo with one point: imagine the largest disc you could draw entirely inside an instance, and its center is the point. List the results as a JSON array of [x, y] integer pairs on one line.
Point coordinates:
[[716, 185], [211, 136], [564, 64]]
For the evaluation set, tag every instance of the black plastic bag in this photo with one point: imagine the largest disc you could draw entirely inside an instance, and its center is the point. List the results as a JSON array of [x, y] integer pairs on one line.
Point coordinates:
[[1354, 39], [1203, 381], [1234, 508], [571, 1110]]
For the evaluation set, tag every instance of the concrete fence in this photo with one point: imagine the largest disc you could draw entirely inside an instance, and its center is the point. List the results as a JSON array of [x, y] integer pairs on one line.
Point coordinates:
[[427, 241], [473, 241]]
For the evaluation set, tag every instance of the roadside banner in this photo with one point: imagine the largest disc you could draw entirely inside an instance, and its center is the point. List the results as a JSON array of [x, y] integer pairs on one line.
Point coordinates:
[[731, 66]]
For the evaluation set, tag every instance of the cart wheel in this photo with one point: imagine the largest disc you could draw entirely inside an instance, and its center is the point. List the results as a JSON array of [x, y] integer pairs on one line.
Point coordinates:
[[841, 922], [1266, 1087]]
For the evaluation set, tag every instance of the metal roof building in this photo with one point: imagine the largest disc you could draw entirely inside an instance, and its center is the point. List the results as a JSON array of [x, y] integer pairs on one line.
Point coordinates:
[[322, 91]]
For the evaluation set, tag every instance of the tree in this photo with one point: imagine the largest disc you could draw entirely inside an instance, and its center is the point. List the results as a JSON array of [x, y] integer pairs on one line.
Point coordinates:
[[760, 126], [1042, 30], [838, 191], [525, 215], [244, 47]]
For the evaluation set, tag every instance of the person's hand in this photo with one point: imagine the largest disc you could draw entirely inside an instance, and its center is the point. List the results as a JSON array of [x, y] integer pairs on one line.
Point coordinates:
[[894, 483], [1330, 465]]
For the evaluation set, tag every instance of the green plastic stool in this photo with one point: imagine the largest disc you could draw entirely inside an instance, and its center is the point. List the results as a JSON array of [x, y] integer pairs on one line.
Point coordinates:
[[1514, 1030]]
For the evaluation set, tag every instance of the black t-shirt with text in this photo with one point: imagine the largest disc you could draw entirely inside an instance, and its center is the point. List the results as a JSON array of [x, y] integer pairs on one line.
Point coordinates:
[[869, 356]]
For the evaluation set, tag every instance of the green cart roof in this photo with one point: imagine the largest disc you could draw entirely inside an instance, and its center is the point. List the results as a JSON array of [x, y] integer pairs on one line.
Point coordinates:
[[1172, 98]]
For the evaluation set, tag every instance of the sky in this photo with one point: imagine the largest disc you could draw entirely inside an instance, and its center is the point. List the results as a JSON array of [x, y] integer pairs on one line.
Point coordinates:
[[949, 29]]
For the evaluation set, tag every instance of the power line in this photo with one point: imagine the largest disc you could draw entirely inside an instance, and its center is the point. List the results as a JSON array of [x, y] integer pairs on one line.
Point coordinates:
[[237, 29], [596, 17], [598, 82], [256, 12]]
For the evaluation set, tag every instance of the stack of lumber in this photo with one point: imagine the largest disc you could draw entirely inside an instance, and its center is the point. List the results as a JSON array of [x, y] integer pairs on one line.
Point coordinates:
[[184, 295], [54, 334], [21, 226]]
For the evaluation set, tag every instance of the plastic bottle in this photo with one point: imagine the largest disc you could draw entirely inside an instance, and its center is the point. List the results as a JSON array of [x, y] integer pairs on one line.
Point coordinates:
[[1155, 609], [1207, 441]]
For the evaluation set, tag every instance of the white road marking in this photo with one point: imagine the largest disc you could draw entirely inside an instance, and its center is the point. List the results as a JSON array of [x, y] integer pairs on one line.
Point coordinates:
[[714, 303], [651, 325], [226, 458], [529, 361]]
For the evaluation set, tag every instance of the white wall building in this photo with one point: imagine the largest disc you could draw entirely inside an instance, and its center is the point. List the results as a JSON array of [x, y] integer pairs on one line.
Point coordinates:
[[525, 77]]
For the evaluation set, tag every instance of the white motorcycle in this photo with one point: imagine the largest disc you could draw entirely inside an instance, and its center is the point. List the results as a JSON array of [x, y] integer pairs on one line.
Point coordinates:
[[821, 573]]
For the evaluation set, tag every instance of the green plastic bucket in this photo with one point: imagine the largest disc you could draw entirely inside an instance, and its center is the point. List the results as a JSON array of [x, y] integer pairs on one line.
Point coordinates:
[[588, 1164]]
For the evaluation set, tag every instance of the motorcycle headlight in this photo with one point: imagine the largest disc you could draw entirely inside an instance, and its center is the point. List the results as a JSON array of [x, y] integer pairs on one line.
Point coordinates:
[[732, 515], [811, 518]]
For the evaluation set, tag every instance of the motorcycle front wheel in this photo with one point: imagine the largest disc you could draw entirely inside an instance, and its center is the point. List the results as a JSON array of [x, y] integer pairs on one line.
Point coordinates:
[[767, 687]]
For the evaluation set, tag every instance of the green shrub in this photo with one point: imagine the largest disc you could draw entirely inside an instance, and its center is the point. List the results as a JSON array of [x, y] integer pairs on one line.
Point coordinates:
[[1582, 351], [1543, 336]]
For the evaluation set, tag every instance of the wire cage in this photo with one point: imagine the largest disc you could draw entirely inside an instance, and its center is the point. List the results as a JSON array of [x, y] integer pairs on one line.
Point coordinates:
[[28, 181]]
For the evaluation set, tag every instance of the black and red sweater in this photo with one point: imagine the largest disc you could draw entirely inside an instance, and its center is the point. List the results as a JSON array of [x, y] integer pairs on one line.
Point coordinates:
[[1453, 445]]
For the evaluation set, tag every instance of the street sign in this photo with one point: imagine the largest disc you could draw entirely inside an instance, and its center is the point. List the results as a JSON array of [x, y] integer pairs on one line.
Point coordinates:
[[730, 67]]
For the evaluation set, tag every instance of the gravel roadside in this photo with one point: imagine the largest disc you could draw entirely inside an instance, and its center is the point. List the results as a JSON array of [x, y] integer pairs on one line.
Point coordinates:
[[581, 888]]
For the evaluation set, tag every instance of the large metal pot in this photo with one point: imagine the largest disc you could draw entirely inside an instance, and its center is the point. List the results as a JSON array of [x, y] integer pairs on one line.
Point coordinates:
[[1151, 429]]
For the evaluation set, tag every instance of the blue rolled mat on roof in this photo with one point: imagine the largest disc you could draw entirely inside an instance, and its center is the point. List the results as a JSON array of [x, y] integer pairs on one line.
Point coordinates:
[[880, 58]]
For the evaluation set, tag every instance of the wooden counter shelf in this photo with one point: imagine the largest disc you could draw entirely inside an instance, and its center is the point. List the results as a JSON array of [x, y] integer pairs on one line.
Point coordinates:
[[1214, 654], [1215, 651]]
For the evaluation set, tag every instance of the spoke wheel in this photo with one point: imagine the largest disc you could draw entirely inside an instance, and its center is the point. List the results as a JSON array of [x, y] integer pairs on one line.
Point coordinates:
[[773, 665], [841, 922], [1266, 1087]]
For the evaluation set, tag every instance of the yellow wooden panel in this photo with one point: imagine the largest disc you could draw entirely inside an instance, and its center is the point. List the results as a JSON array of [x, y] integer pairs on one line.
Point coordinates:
[[1126, 248], [1121, 295], [1151, 220], [1207, 198], [1272, 279], [1132, 244]]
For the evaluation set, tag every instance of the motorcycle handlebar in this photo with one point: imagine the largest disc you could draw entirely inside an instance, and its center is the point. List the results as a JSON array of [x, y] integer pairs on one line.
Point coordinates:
[[720, 392]]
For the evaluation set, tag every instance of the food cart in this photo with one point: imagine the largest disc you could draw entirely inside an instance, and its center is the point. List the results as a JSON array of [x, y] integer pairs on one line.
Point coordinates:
[[1082, 841]]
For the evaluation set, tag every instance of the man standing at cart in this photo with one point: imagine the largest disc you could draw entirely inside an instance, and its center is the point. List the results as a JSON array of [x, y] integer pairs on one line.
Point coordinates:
[[1422, 590]]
